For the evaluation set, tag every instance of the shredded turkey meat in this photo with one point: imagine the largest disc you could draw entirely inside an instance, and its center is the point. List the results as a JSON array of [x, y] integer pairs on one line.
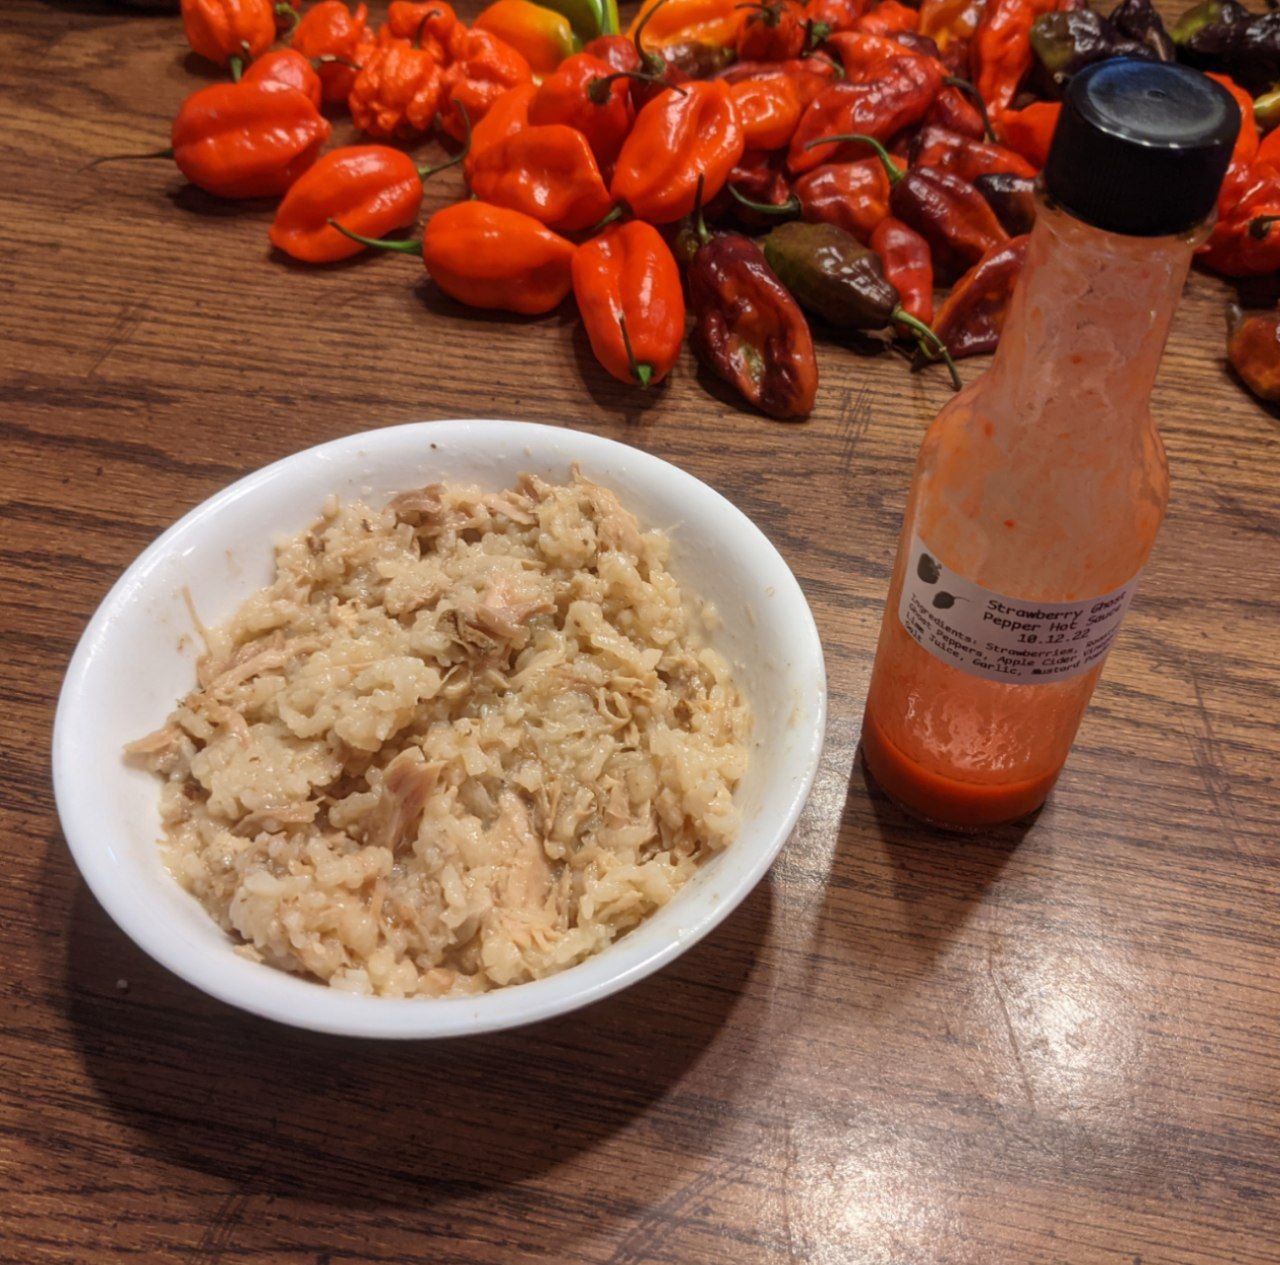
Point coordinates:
[[462, 741]]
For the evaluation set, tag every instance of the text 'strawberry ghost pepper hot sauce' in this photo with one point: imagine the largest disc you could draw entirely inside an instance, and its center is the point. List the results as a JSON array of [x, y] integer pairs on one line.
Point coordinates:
[[1039, 489]]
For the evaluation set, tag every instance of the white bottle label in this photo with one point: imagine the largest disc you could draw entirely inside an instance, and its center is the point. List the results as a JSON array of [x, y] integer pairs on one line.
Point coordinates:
[[1009, 639]]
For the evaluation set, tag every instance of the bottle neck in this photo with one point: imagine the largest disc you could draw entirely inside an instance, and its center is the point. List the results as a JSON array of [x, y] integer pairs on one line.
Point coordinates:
[[1089, 317]]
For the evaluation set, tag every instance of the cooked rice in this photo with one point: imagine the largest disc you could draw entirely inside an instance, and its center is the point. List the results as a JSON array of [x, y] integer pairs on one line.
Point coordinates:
[[462, 741]]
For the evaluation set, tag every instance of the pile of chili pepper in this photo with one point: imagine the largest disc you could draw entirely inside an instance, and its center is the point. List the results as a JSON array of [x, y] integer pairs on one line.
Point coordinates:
[[741, 164]]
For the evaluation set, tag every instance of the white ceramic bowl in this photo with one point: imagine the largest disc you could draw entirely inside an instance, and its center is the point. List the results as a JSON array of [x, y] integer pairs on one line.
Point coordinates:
[[136, 658]]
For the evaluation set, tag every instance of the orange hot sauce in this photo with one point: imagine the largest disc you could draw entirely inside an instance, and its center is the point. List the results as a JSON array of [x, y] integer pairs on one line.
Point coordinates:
[[1039, 490]]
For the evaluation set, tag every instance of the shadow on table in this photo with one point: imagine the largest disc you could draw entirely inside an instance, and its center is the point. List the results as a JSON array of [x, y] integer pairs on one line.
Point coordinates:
[[934, 880], [356, 1122]]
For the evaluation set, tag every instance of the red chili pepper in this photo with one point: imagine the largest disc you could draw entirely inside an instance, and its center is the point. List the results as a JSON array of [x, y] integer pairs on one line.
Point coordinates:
[[854, 196], [773, 30], [1239, 175], [617, 50], [908, 266], [1253, 348], [430, 23], [953, 109], [964, 157], [229, 32], [681, 135], [1245, 241], [508, 115], [834, 15], [486, 69], [629, 293], [546, 172], [1029, 131], [949, 213], [809, 74], [748, 330], [397, 92], [888, 18], [757, 190], [970, 321], [948, 22], [1269, 149], [287, 66], [247, 140], [336, 39], [880, 107], [864, 55], [582, 95], [368, 189], [768, 110], [1001, 52]]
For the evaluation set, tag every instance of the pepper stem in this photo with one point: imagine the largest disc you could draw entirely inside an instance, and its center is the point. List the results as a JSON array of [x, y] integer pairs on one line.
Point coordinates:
[[332, 59], [816, 33], [236, 65], [404, 248], [654, 62], [598, 88], [891, 168], [970, 91], [770, 13], [422, 26], [612, 218], [120, 158], [929, 343], [291, 15], [835, 65], [642, 373], [425, 173], [1260, 226], [697, 219], [782, 210]]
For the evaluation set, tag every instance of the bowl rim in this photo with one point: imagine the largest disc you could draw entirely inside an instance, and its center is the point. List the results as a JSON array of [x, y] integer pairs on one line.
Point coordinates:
[[327, 1010]]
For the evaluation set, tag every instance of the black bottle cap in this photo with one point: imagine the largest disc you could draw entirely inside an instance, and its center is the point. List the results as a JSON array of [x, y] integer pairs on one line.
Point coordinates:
[[1141, 146]]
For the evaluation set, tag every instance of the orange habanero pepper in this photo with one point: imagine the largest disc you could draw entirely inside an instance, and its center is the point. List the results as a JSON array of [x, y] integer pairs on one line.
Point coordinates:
[[628, 290], [397, 91], [682, 134], [584, 94], [287, 66], [491, 257], [714, 22], [337, 40], [431, 23], [1029, 131], [545, 172], [768, 110], [541, 36], [369, 189], [508, 115], [229, 32], [247, 140], [484, 71]]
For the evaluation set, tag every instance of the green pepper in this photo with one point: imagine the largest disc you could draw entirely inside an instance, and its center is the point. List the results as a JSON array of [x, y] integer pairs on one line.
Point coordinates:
[[1266, 109], [589, 18], [833, 275]]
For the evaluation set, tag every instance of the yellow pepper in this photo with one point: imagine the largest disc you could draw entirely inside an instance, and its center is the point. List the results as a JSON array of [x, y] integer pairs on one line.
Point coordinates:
[[543, 37]]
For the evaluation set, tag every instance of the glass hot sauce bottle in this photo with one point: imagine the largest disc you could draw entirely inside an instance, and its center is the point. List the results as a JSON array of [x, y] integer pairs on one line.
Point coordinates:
[[1040, 488]]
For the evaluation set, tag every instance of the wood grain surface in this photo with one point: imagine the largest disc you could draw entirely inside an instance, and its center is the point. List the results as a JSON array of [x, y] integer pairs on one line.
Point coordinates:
[[1050, 1045]]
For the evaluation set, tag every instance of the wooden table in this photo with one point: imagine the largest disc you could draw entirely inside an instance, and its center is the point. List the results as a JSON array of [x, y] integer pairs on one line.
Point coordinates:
[[1052, 1046]]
